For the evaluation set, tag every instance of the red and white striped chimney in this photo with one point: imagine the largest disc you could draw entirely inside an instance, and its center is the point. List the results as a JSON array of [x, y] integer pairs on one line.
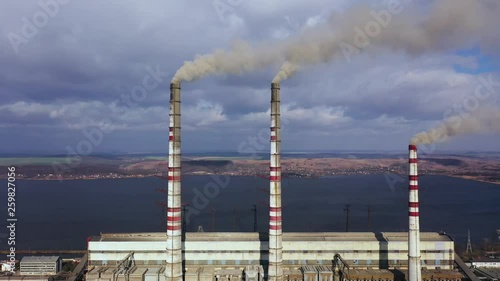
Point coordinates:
[[414, 272], [275, 271], [173, 272]]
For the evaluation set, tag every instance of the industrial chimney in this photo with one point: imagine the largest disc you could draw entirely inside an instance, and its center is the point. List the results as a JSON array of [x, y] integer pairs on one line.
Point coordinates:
[[414, 272], [275, 271], [173, 272]]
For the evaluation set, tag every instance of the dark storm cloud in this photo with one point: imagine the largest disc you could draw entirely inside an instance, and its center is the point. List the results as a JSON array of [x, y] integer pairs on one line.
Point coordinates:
[[89, 44], [91, 54]]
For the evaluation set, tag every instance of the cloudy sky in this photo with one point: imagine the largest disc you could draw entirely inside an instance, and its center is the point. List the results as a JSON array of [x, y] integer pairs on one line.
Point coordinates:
[[70, 66]]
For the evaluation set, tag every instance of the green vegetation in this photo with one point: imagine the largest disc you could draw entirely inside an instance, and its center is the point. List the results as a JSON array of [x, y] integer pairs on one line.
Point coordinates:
[[220, 158], [158, 158]]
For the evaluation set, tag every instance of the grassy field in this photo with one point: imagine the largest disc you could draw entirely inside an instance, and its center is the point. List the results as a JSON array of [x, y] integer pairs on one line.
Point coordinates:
[[157, 158]]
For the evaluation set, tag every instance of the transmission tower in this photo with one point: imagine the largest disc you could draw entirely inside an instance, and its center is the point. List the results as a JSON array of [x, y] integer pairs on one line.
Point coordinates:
[[347, 210], [369, 218], [234, 219], [213, 220], [254, 209], [469, 245]]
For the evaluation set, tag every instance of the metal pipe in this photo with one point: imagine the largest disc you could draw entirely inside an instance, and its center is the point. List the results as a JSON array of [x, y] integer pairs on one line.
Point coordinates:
[[275, 232], [173, 271], [414, 267]]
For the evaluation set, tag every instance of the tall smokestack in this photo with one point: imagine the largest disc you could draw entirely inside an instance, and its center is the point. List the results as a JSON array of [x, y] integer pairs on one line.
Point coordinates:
[[173, 271], [275, 232], [414, 273]]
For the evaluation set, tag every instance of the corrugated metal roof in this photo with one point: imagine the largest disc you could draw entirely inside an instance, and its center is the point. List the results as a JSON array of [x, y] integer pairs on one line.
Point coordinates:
[[39, 259], [287, 236], [324, 268]]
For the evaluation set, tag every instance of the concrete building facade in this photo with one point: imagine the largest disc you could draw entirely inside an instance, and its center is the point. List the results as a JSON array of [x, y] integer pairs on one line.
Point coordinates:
[[213, 252], [40, 265]]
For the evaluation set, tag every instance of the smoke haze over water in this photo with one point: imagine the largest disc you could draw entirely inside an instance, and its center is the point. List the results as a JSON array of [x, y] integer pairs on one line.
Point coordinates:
[[444, 25]]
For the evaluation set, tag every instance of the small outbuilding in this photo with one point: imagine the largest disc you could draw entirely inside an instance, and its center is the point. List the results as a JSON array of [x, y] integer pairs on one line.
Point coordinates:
[[40, 265]]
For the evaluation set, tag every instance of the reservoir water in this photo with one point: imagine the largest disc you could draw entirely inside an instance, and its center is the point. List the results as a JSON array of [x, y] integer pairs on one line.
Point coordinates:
[[62, 214]]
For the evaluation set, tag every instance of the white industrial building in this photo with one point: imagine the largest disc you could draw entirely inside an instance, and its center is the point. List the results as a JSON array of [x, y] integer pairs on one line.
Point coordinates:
[[215, 255], [40, 265]]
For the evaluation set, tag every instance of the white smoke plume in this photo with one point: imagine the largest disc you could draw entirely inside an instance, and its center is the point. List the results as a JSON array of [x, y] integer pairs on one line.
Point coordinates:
[[287, 70], [485, 120], [420, 27], [241, 58]]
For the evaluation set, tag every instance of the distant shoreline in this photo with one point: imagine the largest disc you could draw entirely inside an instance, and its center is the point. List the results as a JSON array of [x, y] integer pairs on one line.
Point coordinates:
[[476, 168], [255, 176]]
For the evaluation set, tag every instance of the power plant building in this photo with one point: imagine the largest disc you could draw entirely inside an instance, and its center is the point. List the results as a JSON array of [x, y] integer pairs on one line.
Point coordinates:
[[273, 255], [359, 249], [214, 252]]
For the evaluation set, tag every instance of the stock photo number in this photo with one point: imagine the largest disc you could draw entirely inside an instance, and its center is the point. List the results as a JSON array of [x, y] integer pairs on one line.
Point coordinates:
[[11, 193], [11, 212]]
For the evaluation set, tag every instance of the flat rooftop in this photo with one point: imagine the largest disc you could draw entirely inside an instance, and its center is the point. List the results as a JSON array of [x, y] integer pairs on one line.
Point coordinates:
[[263, 236], [36, 259]]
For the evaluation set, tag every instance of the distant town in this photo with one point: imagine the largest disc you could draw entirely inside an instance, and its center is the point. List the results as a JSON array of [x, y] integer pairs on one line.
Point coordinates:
[[484, 169]]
